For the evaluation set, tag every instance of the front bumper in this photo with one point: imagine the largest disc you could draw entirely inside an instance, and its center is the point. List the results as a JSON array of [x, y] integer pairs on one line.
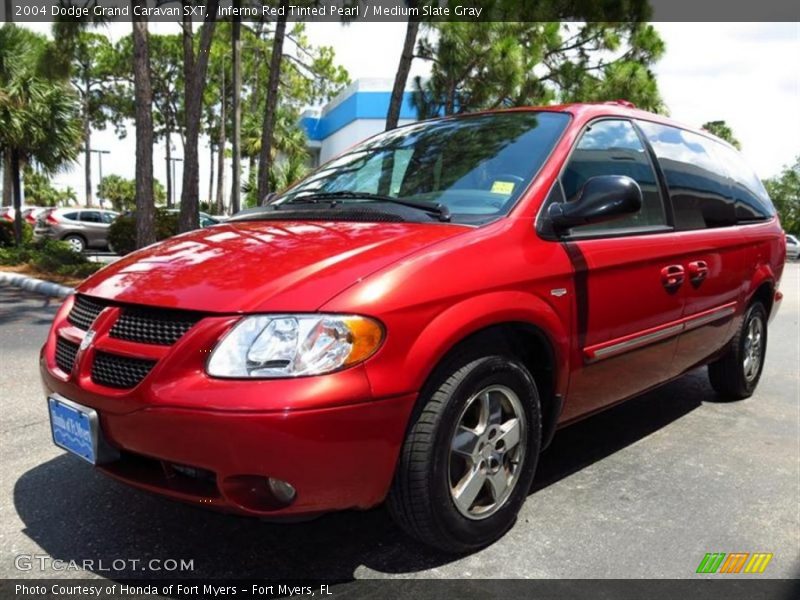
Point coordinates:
[[337, 458], [214, 442]]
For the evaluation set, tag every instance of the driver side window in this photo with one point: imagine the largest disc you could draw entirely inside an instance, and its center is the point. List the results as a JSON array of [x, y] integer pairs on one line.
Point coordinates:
[[613, 147]]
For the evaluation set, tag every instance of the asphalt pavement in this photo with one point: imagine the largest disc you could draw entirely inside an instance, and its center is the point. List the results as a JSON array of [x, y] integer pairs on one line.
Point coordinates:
[[642, 490]]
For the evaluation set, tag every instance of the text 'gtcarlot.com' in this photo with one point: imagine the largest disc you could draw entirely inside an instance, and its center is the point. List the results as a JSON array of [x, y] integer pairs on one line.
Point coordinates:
[[42, 562]]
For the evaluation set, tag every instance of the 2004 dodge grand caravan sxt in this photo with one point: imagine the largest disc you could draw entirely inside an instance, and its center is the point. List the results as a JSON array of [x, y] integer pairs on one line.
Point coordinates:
[[415, 319]]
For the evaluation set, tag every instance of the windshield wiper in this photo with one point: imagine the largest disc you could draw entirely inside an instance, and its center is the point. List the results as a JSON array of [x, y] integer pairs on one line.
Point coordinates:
[[440, 210]]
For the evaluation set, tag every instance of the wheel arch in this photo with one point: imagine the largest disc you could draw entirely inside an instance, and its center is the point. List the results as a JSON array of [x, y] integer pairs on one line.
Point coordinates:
[[519, 324], [762, 288], [77, 235]]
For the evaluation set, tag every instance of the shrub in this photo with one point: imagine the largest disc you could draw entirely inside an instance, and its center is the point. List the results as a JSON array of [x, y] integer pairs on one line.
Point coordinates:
[[61, 252], [7, 233], [14, 255], [122, 233], [49, 256], [80, 271]]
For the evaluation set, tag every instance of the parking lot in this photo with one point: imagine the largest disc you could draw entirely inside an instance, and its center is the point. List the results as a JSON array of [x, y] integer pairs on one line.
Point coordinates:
[[643, 490]]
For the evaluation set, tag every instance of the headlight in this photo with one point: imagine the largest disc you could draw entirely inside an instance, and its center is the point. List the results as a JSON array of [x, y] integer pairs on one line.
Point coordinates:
[[271, 346]]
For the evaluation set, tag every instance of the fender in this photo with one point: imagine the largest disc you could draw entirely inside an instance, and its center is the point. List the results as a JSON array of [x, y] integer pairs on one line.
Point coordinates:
[[763, 274], [766, 255], [474, 314]]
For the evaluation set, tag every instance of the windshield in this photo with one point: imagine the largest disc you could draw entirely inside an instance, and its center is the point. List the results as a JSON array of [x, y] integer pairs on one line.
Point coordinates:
[[474, 168]]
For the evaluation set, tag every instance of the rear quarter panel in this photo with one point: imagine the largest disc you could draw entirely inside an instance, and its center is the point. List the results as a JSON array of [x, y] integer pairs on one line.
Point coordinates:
[[766, 256]]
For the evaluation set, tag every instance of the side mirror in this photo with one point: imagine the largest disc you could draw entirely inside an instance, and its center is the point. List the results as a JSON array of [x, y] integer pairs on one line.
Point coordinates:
[[602, 198]]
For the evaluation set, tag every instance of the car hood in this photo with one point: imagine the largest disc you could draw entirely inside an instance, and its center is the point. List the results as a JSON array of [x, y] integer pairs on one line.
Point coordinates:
[[260, 266]]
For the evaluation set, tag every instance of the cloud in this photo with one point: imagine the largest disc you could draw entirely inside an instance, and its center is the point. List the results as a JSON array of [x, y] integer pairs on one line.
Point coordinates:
[[742, 73]]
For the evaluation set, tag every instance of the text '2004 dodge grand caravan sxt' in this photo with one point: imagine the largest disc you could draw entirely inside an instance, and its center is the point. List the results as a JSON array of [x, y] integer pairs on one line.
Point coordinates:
[[414, 320]]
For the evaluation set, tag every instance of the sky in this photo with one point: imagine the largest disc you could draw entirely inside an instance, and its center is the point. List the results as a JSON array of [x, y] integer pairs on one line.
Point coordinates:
[[743, 73]]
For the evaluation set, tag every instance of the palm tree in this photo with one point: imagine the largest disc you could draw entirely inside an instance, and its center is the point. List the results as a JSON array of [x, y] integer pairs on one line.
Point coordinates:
[[271, 104], [289, 138], [195, 69], [403, 69], [39, 116], [143, 90], [236, 109]]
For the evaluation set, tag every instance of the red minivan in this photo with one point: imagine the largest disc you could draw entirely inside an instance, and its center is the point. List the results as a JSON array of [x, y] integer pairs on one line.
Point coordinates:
[[414, 320]]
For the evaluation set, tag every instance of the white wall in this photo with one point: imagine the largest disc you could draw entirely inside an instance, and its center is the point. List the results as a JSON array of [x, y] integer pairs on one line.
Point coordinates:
[[351, 134]]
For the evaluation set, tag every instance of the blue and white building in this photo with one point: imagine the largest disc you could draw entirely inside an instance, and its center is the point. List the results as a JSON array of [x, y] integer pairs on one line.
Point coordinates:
[[358, 112]]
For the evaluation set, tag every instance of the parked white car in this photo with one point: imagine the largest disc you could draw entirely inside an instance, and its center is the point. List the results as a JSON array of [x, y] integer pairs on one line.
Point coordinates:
[[792, 247]]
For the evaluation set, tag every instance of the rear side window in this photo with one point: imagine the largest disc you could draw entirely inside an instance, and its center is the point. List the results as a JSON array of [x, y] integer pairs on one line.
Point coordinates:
[[91, 216], [698, 185], [751, 199], [613, 147], [72, 216]]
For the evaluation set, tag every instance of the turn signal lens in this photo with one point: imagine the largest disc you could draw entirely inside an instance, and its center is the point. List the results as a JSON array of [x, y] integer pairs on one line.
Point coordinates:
[[366, 336]]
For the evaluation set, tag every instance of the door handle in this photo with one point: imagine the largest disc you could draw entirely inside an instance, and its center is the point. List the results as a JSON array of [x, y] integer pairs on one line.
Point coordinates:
[[698, 271], [672, 276]]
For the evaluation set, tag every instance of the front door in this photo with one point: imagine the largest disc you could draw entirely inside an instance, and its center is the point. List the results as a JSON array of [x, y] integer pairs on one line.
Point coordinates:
[[628, 277]]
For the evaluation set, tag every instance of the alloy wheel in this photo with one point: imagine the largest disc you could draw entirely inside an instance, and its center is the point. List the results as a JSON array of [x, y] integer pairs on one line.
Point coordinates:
[[75, 243], [753, 347], [486, 452]]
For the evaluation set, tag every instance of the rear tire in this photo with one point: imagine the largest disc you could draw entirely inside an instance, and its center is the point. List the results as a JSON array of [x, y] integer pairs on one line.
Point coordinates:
[[76, 242], [461, 492], [735, 375]]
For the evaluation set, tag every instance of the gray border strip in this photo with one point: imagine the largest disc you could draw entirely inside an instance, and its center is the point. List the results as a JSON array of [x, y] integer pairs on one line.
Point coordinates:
[[377, 11], [38, 286]]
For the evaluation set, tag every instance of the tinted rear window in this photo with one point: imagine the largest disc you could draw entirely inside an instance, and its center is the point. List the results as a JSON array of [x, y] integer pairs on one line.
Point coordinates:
[[91, 216], [698, 185], [751, 199]]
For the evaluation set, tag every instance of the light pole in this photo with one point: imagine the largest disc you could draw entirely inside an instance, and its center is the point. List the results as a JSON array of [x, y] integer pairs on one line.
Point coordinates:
[[172, 191], [100, 169], [220, 201], [236, 101]]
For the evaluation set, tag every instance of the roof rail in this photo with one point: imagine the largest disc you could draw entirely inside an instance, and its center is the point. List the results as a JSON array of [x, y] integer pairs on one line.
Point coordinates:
[[621, 102]]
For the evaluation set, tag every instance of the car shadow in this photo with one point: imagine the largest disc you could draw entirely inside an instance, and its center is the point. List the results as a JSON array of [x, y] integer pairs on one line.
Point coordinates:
[[76, 514], [577, 446], [16, 306]]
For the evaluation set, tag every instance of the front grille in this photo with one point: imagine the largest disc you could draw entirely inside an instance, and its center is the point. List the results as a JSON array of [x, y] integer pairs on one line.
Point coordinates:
[[153, 326], [142, 324], [112, 370], [66, 352], [84, 312]]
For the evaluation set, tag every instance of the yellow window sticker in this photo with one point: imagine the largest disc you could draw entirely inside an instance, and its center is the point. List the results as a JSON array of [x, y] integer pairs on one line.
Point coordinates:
[[503, 187]]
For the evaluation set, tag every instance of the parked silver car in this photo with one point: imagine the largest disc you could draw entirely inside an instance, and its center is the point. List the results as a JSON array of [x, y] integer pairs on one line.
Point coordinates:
[[29, 214], [81, 228], [792, 247], [7, 213]]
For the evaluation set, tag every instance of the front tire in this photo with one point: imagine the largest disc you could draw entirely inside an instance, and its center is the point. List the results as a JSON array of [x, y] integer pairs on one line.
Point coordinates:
[[76, 242], [469, 456], [735, 375]]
